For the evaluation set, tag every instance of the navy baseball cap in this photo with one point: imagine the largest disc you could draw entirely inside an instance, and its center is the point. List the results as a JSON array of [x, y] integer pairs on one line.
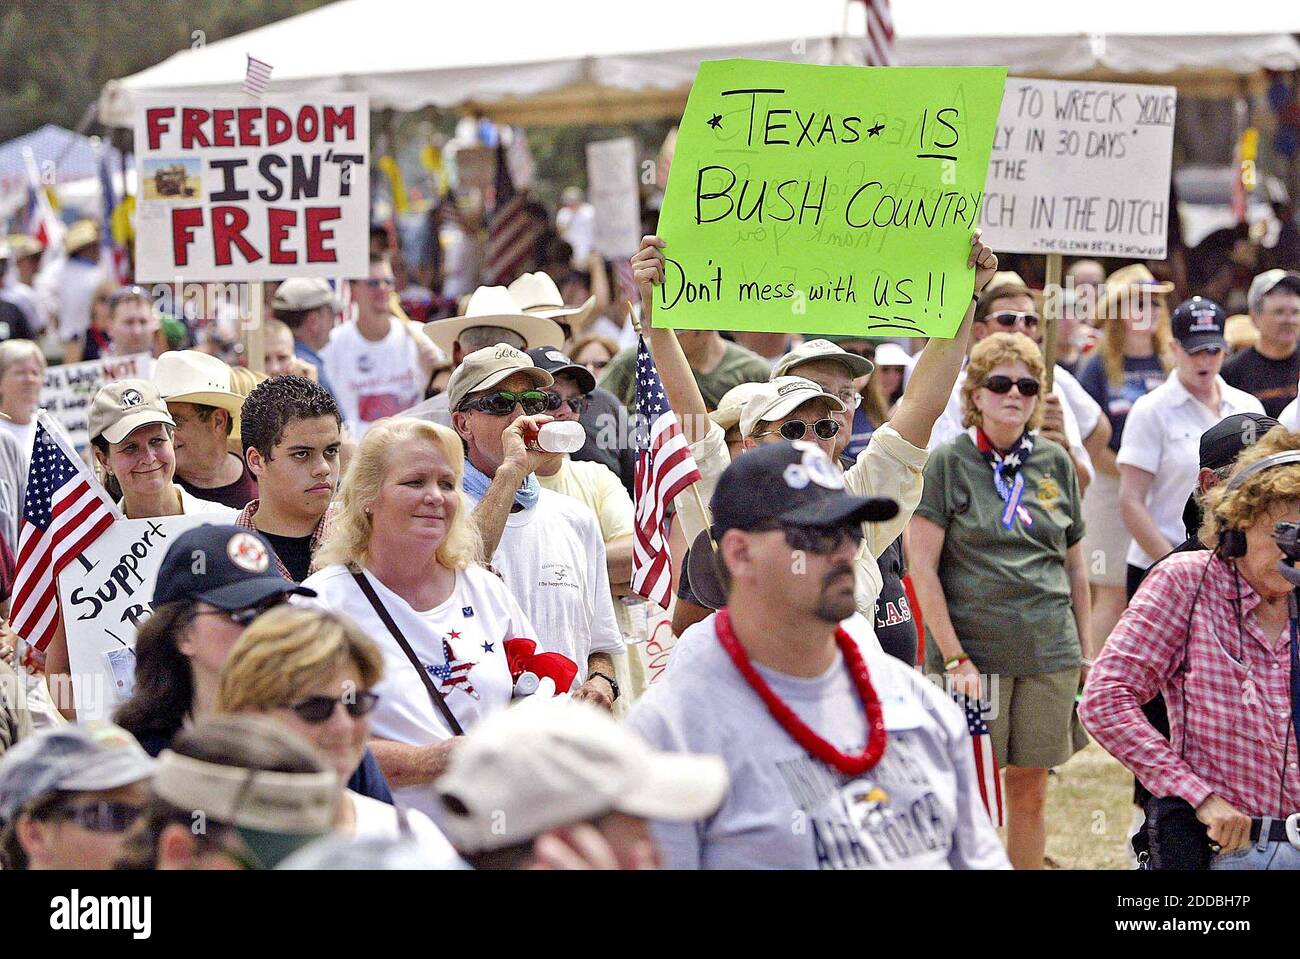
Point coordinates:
[[1223, 442], [1198, 324], [787, 484], [558, 364], [228, 567]]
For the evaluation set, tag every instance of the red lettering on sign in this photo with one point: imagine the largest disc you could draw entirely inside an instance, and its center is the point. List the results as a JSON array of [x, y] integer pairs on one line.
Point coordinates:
[[221, 133], [278, 221], [192, 135], [317, 233], [155, 121], [308, 124], [278, 126], [228, 226], [336, 119], [248, 135], [184, 222]]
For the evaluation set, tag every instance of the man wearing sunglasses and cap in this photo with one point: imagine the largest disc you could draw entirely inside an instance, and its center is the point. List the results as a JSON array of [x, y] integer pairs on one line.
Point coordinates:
[[68, 796], [547, 547], [840, 756]]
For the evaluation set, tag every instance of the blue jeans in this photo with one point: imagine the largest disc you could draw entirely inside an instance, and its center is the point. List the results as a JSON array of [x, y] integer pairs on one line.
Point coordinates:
[[1260, 855]]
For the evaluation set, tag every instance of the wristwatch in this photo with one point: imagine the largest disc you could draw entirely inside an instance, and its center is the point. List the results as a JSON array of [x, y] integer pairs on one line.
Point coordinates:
[[613, 683]]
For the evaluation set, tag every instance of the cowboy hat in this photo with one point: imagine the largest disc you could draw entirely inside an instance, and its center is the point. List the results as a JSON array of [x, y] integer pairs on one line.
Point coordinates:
[[536, 293], [494, 306], [189, 376]]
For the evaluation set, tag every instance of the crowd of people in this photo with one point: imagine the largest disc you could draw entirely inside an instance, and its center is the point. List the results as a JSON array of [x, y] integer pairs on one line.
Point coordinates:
[[408, 641]]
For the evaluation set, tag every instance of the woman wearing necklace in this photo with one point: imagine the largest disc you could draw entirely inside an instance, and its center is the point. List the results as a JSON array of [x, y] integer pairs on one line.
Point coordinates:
[[999, 569], [840, 756]]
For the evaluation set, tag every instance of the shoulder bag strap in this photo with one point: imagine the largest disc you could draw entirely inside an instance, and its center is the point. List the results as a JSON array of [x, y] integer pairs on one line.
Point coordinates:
[[434, 693]]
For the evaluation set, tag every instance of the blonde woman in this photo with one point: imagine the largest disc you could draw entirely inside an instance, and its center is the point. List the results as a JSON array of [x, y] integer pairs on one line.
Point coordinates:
[[400, 559], [1132, 359], [998, 566], [22, 373], [314, 673]]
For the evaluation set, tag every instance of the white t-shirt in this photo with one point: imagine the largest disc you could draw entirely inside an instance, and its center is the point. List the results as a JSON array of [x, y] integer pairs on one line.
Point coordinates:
[[460, 642], [552, 557], [191, 505], [1162, 435], [74, 292], [949, 424], [918, 808], [25, 435], [1290, 416], [372, 380], [378, 820]]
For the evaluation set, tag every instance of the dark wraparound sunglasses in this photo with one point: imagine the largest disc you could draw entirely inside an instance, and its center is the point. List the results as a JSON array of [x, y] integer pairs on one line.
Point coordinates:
[[819, 540], [578, 404], [105, 816], [242, 617], [797, 429], [502, 402], [1009, 318], [1002, 384], [317, 709]]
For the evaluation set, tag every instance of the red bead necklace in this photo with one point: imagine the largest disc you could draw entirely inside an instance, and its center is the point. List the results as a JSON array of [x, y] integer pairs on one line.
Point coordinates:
[[797, 729]]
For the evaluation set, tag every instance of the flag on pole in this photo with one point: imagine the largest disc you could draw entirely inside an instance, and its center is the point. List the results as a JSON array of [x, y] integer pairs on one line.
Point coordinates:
[[257, 78], [66, 509], [986, 763], [42, 222], [880, 34], [114, 253], [512, 231], [664, 467]]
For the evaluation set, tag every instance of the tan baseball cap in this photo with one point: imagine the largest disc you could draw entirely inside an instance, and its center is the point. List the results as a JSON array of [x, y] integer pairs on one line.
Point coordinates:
[[556, 763], [485, 368], [303, 293], [781, 397], [121, 408], [810, 350]]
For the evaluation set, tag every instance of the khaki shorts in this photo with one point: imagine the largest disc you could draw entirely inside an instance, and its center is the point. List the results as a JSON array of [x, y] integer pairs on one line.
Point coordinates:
[[1033, 723]]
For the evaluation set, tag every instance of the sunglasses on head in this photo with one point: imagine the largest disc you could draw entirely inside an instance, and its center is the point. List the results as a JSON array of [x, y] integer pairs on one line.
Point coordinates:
[[105, 816], [1027, 386], [797, 429], [502, 402], [819, 540], [318, 709], [1009, 318]]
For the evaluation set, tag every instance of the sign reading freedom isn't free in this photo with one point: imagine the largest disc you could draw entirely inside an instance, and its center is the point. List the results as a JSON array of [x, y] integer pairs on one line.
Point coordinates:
[[820, 199], [236, 188]]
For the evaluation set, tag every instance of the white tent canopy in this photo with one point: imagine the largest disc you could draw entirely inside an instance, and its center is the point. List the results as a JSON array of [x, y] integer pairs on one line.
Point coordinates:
[[573, 61]]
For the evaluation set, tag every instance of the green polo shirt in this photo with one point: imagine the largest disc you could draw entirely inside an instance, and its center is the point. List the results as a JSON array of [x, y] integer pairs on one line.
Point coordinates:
[[1007, 589]]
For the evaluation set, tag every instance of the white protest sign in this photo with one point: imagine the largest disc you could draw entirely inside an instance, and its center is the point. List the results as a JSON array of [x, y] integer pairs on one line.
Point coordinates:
[[1080, 168], [68, 389], [104, 597], [236, 188], [613, 191]]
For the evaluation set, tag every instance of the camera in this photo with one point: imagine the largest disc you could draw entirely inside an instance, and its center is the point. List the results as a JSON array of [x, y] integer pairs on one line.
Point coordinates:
[[1287, 537]]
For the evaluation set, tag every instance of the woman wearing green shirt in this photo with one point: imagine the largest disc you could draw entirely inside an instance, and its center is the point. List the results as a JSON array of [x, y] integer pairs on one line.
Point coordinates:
[[999, 571]]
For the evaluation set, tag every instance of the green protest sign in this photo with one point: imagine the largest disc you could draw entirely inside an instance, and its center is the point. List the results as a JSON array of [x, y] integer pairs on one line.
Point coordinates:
[[817, 199]]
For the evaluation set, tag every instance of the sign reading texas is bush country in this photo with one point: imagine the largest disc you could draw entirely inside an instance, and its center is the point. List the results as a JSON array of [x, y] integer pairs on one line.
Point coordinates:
[[819, 199], [237, 188]]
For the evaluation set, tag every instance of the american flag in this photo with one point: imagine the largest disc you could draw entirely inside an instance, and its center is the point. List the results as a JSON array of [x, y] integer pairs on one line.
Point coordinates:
[[453, 674], [986, 763], [664, 467], [880, 34], [512, 232], [257, 78], [66, 510]]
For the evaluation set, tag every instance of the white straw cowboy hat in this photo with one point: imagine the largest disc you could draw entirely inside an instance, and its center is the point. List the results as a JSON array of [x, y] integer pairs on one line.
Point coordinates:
[[494, 306], [536, 293], [189, 376]]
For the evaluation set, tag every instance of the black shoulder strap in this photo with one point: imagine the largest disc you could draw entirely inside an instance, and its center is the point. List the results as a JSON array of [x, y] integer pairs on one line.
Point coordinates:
[[434, 693]]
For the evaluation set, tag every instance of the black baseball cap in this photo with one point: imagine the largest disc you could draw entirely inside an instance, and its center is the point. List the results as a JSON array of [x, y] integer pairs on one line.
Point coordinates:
[[788, 483], [1198, 324], [1223, 442], [225, 566], [557, 364]]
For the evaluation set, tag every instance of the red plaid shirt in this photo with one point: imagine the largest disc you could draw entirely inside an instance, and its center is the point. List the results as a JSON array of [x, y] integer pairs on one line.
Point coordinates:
[[1229, 713], [245, 519]]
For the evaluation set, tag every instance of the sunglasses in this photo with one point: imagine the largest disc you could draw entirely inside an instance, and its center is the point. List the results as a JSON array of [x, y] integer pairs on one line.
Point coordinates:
[[797, 429], [502, 402], [244, 616], [578, 404], [318, 709], [105, 816], [819, 540], [1008, 319], [1002, 384]]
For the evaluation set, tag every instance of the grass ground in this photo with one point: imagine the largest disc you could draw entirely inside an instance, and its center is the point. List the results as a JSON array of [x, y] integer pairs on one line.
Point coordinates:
[[1089, 809]]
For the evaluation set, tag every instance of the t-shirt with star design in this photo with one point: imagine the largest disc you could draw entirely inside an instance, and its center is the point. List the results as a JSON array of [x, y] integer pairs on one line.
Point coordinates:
[[460, 642]]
